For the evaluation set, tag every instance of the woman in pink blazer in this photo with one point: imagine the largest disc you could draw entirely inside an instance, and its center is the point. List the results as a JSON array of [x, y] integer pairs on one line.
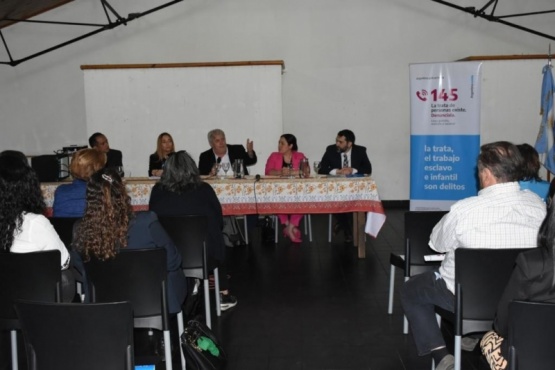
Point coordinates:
[[286, 162]]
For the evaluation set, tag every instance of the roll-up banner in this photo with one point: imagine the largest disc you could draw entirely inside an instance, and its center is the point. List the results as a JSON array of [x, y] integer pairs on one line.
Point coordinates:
[[445, 133]]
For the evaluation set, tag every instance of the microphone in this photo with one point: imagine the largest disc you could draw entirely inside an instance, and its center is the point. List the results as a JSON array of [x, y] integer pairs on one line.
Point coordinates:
[[257, 178]]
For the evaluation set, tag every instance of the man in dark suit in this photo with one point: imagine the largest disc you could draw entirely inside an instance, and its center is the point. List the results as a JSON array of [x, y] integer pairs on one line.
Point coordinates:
[[345, 158], [99, 142], [221, 152]]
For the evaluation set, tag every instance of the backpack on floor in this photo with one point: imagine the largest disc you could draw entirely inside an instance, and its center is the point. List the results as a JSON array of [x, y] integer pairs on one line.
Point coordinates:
[[232, 232], [202, 350]]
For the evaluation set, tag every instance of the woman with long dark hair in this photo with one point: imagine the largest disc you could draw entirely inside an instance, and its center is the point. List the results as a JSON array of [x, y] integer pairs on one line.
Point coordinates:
[[23, 227], [533, 279], [286, 161], [181, 192], [110, 225]]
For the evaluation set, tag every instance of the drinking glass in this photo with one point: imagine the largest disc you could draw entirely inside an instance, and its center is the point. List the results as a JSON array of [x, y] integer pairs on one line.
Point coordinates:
[[316, 167], [225, 167]]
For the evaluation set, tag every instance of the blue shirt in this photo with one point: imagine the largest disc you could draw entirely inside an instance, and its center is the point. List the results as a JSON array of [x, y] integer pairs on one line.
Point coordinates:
[[539, 187], [70, 199]]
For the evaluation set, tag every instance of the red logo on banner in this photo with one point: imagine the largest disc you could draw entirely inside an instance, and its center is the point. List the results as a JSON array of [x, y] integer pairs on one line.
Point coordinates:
[[422, 95]]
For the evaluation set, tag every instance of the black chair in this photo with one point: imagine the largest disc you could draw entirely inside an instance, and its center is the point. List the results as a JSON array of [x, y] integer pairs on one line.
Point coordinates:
[[480, 279], [418, 227], [30, 276], [138, 276], [189, 235], [64, 228], [74, 336], [531, 335]]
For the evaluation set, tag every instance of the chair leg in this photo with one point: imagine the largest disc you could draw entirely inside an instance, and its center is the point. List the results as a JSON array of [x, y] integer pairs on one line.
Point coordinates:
[[457, 350], [391, 285], [305, 224], [217, 292], [13, 336], [276, 224], [180, 330], [207, 302], [168, 350], [246, 229], [405, 321], [329, 228], [309, 228]]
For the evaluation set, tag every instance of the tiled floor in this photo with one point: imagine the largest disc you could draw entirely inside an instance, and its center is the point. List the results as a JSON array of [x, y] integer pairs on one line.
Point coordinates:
[[317, 306]]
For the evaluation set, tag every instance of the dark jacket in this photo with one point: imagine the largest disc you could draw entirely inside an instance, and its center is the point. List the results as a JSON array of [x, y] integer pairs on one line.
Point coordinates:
[[145, 231], [207, 158], [200, 201], [531, 280], [154, 163], [114, 158], [332, 159]]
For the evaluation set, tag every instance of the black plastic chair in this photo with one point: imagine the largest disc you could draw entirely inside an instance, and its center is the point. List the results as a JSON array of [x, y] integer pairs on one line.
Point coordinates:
[[418, 227], [531, 335], [480, 279], [64, 228], [74, 336], [189, 235], [138, 276], [30, 276]]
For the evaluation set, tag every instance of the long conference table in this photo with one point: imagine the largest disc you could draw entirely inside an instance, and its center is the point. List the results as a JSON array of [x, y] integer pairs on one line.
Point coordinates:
[[277, 195]]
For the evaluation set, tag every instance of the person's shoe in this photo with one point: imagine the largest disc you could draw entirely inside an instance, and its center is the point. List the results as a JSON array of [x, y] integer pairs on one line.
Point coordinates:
[[447, 363], [227, 301], [468, 343]]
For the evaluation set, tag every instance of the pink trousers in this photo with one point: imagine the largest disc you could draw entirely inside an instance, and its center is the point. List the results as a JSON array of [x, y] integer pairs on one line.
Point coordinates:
[[293, 219]]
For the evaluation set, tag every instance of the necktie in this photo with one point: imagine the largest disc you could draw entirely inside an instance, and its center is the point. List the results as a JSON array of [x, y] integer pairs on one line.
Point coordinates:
[[345, 161]]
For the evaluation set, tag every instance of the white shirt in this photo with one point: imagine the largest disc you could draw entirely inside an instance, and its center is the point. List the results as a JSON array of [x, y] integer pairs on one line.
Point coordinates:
[[37, 234], [348, 154], [500, 216]]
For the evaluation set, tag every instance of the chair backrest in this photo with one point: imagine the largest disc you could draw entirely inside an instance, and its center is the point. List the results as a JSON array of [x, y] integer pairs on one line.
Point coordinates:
[[64, 228], [77, 336], [189, 235], [32, 276], [480, 279], [531, 335], [418, 227], [134, 275]]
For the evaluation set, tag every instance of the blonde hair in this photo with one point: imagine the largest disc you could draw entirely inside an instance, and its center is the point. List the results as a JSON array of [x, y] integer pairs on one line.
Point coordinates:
[[159, 151], [85, 162]]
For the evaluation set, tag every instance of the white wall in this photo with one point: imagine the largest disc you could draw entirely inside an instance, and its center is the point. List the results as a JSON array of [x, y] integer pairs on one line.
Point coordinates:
[[346, 61]]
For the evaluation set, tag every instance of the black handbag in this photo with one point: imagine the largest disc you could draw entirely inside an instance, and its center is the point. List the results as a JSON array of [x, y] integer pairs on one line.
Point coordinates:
[[202, 349]]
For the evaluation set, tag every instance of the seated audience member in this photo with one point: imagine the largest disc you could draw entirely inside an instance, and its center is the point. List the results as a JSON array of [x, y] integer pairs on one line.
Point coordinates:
[[181, 192], [99, 142], [532, 280], [69, 199], [287, 161], [345, 158], [500, 216], [109, 225], [221, 152], [23, 227], [164, 148], [531, 179]]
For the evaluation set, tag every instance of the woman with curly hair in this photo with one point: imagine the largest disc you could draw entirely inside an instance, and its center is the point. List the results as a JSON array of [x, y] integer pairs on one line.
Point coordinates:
[[181, 192], [69, 199], [23, 228], [109, 225], [164, 148]]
